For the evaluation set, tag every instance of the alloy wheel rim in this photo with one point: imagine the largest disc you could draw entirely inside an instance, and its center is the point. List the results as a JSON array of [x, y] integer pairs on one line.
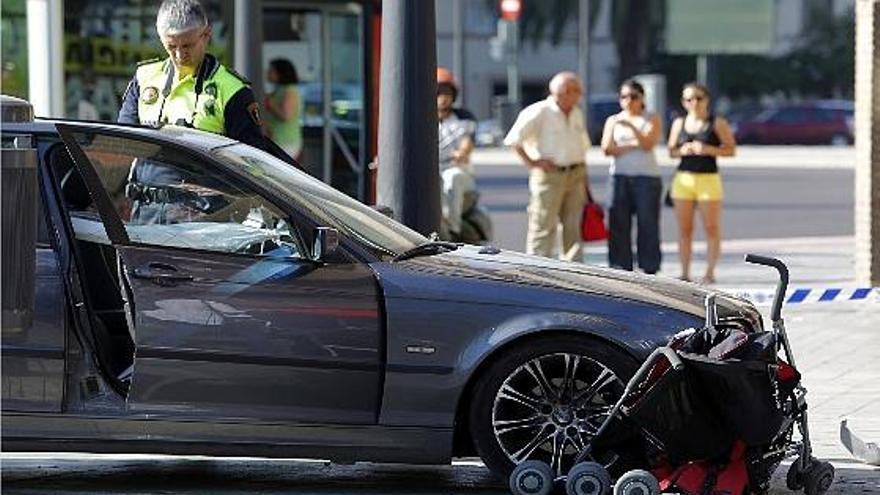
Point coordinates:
[[550, 407]]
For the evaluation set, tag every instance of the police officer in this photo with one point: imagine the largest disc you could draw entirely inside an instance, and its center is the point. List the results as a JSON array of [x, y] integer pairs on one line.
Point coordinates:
[[191, 88]]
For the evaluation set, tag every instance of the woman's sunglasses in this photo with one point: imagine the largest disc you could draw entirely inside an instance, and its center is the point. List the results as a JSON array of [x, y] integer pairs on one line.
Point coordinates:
[[630, 96]]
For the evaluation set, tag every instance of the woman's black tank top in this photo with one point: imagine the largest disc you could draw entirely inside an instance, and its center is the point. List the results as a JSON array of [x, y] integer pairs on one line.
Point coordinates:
[[702, 164]]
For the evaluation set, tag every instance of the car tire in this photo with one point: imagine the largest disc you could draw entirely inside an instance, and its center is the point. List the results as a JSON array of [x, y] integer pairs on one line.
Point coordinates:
[[499, 422], [839, 140]]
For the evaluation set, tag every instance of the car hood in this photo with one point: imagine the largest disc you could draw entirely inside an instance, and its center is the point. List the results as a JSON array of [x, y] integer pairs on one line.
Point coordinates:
[[510, 267]]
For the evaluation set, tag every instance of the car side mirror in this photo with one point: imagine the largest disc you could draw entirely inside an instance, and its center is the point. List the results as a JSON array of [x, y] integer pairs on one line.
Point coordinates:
[[326, 242]]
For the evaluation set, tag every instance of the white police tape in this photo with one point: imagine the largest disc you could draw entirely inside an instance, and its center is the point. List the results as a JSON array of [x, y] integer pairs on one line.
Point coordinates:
[[804, 295]]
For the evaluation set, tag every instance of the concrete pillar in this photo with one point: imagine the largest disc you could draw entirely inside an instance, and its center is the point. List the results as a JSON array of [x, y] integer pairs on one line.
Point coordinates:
[[867, 128], [248, 43], [408, 174], [45, 33]]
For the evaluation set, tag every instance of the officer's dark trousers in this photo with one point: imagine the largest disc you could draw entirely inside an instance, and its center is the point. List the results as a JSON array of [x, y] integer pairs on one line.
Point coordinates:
[[639, 196]]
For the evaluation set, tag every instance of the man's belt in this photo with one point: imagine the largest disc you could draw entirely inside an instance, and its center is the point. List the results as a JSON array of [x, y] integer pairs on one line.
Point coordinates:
[[569, 167]]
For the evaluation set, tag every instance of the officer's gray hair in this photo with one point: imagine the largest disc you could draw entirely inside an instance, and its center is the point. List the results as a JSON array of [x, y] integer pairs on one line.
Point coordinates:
[[179, 16]]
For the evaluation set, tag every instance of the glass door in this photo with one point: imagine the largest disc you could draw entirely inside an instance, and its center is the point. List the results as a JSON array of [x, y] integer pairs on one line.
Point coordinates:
[[325, 43]]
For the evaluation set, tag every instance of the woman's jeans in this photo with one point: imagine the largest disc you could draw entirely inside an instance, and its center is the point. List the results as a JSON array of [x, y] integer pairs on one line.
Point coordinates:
[[639, 196]]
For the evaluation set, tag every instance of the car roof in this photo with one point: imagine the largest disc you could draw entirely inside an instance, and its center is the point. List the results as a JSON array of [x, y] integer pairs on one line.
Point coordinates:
[[848, 105], [826, 104], [603, 98], [191, 138]]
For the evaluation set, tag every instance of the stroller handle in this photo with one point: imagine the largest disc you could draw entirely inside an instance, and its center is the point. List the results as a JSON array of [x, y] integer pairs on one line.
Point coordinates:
[[643, 371], [781, 287]]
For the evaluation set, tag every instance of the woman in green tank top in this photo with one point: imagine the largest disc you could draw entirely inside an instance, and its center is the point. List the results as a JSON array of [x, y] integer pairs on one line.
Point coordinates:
[[283, 107]]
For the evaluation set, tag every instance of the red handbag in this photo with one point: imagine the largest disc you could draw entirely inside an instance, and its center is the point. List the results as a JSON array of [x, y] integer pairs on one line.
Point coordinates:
[[593, 221]]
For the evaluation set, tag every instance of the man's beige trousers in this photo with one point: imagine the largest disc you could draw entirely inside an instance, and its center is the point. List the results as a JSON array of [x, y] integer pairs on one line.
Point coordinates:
[[556, 197]]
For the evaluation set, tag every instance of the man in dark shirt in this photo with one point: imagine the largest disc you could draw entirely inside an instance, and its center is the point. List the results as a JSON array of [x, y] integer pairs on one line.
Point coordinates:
[[455, 132]]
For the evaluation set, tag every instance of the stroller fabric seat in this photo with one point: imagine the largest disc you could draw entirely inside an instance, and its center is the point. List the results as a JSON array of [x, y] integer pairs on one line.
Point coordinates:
[[736, 372]]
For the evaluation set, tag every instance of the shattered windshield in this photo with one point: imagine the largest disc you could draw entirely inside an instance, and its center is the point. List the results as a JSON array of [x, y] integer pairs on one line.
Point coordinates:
[[331, 207]]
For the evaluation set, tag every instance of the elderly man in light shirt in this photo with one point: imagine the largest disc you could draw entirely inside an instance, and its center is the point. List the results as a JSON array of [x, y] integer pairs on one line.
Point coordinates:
[[551, 138]]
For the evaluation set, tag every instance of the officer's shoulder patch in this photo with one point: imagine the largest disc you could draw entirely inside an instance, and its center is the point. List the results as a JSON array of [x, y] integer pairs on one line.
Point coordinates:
[[149, 61], [254, 111], [238, 76]]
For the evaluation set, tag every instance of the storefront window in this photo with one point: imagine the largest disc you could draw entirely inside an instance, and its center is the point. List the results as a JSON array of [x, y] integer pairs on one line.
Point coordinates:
[[103, 42], [14, 48], [325, 44]]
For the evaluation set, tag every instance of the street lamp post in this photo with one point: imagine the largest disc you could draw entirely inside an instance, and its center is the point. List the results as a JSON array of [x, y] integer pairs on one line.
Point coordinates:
[[584, 53], [408, 175], [510, 12]]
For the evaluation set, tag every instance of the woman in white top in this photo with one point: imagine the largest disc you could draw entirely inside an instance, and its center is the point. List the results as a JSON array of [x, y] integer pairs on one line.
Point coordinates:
[[629, 137]]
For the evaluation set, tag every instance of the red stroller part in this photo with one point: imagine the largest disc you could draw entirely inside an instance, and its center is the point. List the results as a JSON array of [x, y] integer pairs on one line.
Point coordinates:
[[718, 408]]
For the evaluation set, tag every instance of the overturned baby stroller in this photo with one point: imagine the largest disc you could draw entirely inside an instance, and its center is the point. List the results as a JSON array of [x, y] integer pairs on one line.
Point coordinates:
[[714, 411]]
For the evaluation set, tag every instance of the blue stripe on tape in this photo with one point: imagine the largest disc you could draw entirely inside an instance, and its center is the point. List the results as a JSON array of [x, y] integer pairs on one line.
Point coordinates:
[[829, 294], [798, 296], [860, 294]]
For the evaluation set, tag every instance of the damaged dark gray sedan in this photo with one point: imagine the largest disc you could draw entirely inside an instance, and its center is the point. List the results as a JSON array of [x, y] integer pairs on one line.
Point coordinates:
[[227, 304]]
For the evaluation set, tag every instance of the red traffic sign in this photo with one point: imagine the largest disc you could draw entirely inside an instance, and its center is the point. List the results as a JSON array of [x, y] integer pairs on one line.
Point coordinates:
[[510, 9]]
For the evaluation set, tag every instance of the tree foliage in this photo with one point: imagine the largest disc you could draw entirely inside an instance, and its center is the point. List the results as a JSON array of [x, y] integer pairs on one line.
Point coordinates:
[[635, 26], [821, 64]]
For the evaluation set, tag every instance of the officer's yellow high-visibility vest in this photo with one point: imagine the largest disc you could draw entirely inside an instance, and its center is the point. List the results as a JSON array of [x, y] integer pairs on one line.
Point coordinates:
[[176, 102]]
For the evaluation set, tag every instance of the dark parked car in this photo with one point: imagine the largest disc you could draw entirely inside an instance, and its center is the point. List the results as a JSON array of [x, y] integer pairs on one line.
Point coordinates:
[[819, 122], [260, 312], [601, 107]]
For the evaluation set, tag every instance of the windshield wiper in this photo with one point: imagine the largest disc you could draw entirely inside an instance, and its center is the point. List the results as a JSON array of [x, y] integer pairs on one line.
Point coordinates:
[[430, 247]]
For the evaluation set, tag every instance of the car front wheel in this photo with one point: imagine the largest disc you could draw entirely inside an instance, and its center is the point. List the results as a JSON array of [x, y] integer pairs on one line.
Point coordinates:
[[545, 401]]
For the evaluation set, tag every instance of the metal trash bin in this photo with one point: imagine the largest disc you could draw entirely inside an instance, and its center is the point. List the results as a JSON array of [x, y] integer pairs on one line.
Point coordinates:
[[505, 112], [18, 174]]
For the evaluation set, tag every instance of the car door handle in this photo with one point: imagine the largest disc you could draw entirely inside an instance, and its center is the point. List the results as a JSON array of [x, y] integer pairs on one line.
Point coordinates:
[[160, 272]]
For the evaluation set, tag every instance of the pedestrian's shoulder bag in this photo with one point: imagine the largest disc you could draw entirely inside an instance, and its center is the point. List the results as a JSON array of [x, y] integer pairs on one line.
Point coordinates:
[[593, 221]]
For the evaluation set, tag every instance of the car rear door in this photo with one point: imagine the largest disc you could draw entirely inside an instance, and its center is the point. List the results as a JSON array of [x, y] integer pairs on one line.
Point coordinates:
[[229, 316], [788, 126]]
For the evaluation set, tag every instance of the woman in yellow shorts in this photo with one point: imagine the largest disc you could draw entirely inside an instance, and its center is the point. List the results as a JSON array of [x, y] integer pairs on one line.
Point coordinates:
[[698, 138]]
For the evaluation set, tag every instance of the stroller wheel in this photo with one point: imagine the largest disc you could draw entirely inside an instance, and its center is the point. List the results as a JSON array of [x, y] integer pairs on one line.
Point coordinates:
[[819, 478], [637, 482], [794, 479], [531, 478], [588, 478]]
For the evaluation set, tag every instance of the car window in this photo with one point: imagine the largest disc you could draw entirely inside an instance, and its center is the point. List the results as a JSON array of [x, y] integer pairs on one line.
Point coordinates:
[[166, 199], [789, 116], [829, 115], [330, 207]]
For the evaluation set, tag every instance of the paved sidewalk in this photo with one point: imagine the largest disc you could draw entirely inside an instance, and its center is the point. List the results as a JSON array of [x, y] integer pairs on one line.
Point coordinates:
[[746, 156]]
